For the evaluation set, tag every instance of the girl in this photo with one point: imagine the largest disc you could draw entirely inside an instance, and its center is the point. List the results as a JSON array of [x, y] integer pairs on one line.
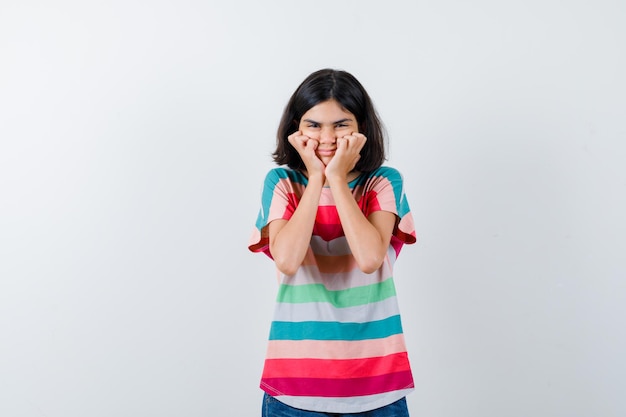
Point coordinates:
[[334, 220]]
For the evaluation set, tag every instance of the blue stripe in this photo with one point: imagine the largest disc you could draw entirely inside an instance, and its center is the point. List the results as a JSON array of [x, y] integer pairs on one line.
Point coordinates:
[[321, 330], [276, 174]]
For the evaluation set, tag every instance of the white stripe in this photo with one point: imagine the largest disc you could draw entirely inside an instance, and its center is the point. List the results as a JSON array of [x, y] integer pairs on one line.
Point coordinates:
[[336, 281], [344, 404], [327, 312], [310, 274]]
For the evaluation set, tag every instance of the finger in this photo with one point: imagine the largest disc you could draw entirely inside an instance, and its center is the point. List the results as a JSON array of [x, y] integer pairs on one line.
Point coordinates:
[[342, 143], [348, 144], [294, 135], [311, 143], [356, 140], [359, 137], [298, 140]]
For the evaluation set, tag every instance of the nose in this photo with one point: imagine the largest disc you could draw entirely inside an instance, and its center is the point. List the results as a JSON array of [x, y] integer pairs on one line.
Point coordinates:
[[327, 135]]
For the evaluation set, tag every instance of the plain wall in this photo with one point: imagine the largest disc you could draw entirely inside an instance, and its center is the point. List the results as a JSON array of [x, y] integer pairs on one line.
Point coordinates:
[[134, 137]]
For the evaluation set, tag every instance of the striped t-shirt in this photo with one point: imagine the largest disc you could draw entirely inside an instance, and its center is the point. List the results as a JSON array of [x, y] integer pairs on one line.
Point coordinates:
[[336, 341]]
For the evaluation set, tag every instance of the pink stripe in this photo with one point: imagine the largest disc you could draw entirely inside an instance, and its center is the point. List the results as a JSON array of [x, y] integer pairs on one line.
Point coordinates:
[[335, 368], [335, 349], [326, 198], [350, 387], [280, 205], [386, 200]]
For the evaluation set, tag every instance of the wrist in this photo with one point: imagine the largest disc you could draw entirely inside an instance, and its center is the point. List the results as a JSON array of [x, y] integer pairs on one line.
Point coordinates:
[[336, 179], [316, 178]]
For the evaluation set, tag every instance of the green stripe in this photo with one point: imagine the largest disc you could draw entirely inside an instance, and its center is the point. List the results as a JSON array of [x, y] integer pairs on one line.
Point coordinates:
[[316, 293]]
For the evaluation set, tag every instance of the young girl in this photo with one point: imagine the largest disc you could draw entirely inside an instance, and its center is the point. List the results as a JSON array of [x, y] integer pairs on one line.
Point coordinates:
[[334, 220]]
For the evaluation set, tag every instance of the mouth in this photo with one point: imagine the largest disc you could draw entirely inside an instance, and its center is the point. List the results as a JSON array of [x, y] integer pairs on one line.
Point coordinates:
[[326, 152]]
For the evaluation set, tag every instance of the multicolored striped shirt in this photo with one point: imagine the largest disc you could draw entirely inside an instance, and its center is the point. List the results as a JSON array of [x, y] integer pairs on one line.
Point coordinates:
[[336, 342]]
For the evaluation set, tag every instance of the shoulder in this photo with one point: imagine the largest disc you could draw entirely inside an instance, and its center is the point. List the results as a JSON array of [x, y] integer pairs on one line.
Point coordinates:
[[276, 175], [385, 172], [384, 180], [281, 172]]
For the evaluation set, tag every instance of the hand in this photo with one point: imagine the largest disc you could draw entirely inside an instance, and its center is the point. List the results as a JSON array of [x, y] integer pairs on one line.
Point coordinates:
[[347, 155], [306, 149]]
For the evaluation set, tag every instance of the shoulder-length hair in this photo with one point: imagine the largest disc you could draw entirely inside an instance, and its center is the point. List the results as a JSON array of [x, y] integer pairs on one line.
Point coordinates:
[[324, 85]]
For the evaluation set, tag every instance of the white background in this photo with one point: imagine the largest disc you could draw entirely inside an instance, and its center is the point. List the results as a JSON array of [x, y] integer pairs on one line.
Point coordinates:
[[134, 136]]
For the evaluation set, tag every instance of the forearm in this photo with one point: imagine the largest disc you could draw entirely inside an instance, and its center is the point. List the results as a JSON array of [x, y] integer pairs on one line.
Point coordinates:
[[290, 240], [368, 243]]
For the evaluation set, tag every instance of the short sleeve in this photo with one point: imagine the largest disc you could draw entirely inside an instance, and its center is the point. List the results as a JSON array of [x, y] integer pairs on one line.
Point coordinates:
[[384, 190], [278, 201]]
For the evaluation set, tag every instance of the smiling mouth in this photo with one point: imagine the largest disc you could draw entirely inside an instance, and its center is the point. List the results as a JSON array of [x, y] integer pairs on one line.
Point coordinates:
[[326, 151]]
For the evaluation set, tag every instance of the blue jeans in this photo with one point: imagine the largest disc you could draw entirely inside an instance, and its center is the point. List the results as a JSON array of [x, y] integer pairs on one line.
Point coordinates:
[[274, 408]]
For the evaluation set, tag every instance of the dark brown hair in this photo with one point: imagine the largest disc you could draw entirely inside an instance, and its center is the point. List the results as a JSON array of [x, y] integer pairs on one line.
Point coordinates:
[[324, 85]]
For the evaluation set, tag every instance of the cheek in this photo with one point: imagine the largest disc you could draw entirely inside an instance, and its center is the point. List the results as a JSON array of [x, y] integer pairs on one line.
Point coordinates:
[[308, 132], [347, 131]]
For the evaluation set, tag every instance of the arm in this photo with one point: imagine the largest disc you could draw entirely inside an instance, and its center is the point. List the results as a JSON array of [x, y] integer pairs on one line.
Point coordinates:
[[290, 239], [369, 237]]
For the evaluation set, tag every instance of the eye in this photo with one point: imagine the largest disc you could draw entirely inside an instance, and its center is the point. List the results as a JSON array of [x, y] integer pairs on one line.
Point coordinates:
[[341, 125], [313, 125]]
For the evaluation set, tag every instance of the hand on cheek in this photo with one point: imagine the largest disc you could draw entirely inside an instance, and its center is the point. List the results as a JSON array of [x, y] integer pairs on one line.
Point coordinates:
[[306, 146], [348, 154], [312, 144], [297, 140]]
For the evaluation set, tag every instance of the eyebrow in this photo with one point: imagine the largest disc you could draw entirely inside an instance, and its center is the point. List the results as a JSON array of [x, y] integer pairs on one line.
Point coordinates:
[[333, 123]]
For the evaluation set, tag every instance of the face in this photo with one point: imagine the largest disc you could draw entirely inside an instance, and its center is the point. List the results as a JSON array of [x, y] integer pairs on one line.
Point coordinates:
[[326, 122]]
